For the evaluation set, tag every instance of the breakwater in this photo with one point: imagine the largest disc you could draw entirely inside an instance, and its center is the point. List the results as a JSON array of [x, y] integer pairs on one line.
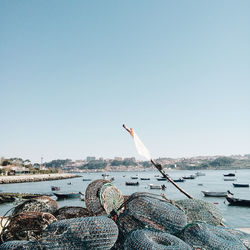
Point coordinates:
[[35, 178]]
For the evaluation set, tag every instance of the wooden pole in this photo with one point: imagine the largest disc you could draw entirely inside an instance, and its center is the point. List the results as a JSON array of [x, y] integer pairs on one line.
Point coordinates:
[[159, 167]]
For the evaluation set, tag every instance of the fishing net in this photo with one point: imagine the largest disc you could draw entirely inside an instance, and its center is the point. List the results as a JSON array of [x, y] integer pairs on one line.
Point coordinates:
[[20, 245], [156, 213], [71, 212], [92, 198], [90, 233], [101, 197], [244, 237], [153, 240], [37, 204], [110, 198], [26, 226], [199, 210], [204, 236]]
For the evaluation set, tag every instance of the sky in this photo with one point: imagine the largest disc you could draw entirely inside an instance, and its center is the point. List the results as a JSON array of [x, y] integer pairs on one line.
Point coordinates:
[[73, 72]]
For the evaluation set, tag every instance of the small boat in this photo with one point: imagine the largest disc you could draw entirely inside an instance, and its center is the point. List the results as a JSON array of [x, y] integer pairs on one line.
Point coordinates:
[[112, 178], [132, 183], [238, 202], [145, 179], [86, 179], [240, 185], [162, 179], [104, 176], [67, 195], [152, 186], [190, 177], [200, 174], [179, 180], [134, 177], [229, 175], [54, 188], [230, 179], [69, 183], [215, 194]]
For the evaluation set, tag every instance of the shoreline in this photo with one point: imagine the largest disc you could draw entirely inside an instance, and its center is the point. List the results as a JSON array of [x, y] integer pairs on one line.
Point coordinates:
[[35, 178]]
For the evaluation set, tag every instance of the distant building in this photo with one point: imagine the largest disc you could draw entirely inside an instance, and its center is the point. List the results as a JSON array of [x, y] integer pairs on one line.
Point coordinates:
[[130, 159], [19, 170], [118, 158], [90, 158]]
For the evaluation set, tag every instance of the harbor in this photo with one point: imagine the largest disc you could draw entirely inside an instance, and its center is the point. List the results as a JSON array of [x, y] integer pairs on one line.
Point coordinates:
[[35, 178]]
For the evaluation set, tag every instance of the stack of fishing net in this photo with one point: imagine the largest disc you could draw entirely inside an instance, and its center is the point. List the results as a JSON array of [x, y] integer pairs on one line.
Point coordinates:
[[71, 212], [102, 197], [145, 210], [29, 219], [92, 233], [199, 210], [200, 235]]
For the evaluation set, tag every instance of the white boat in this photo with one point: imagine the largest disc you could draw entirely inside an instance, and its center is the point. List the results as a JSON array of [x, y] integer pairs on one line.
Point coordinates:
[[200, 174], [230, 179], [152, 186], [215, 194]]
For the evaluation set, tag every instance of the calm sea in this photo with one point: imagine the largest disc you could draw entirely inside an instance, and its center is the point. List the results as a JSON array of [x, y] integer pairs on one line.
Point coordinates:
[[212, 181]]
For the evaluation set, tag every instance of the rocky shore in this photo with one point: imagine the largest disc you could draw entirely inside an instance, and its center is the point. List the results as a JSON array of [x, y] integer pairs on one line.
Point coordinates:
[[35, 177]]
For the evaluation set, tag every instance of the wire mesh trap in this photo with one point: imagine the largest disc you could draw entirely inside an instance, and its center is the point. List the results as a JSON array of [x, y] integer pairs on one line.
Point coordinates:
[[152, 240], [101, 197], [199, 210], [90, 233], [209, 237], [37, 204], [156, 213], [68, 212], [26, 226], [20, 245]]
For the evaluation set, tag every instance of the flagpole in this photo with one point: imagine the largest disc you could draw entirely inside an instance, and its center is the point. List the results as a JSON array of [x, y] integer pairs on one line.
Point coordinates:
[[160, 169]]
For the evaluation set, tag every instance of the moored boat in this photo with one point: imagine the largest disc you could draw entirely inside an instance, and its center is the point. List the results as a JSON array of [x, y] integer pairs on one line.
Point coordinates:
[[229, 175], [55, 188], [144, 179], [67, 195], [214, 194], [238, 202], [190, 177], [86, 179], [240, 185], [134, 177], [152, 186], [162, 179], [128, 183], [230, 179], [200, 174], [179, 180]]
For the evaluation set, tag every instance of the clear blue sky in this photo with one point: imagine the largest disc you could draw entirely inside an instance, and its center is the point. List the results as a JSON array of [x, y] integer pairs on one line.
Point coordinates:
[[72, 72]]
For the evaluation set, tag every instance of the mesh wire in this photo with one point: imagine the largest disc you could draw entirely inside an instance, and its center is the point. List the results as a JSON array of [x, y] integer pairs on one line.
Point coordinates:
[[92, 198], [71, 212], [26, 226], [199, 210], [81, 233], [209, 237], [244, 237], [110, 198], [19, 245], [38, 204], [152, 240], [156, 213]]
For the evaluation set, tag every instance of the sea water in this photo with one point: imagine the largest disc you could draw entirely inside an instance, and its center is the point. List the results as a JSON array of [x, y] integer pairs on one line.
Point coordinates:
[[213, 180]]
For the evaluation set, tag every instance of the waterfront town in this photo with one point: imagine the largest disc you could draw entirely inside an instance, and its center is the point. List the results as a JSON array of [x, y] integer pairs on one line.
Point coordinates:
[[15, 166]]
